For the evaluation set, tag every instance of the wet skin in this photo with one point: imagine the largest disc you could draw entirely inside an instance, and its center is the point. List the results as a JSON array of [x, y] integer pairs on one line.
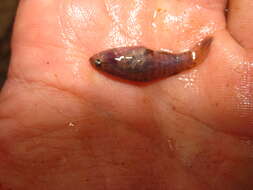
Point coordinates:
[[64, 125]]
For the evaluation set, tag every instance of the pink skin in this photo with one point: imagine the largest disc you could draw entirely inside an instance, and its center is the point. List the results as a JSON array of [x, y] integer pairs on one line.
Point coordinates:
[[63, 125]]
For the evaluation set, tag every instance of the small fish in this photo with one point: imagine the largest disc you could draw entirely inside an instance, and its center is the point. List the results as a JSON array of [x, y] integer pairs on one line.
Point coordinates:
[[138, 63]]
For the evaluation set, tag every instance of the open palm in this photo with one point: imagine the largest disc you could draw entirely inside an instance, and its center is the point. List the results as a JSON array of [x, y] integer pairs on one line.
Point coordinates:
[[63, 125]]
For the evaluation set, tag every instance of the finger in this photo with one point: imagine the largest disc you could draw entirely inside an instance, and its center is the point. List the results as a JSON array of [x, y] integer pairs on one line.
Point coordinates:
[[240, 21]]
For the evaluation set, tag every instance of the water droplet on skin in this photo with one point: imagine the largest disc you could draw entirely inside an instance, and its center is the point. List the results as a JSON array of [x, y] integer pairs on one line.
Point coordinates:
[[171, 143], [71, 124]]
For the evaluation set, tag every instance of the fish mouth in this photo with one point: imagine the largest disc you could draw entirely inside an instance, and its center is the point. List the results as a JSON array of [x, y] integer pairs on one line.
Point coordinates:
[[95, 61]]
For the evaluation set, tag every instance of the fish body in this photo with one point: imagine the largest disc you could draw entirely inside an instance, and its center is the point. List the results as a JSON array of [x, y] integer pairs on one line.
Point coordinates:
[[138, 63]]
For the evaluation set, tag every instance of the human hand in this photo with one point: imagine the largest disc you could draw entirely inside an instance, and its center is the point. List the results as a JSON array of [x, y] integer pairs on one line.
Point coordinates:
[[66, 126]]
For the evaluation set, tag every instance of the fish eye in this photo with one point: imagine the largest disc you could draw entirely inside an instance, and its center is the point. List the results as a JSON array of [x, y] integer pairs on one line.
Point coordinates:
[[98, 62]]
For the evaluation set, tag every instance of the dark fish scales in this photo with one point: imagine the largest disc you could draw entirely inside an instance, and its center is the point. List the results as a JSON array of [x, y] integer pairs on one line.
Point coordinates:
[[139, 63]]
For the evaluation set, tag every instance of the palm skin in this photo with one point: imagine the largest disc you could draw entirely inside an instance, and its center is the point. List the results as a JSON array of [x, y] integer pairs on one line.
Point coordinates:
[[66, 126]]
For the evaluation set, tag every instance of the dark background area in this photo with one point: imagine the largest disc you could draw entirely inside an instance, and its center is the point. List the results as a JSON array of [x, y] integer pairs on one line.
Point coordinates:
[[7, 13]]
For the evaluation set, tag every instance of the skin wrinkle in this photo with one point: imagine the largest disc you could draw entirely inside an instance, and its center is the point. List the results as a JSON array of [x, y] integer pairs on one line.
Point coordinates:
[[182, 21], [200, 180], [20, 123], [153, 123], [205, 124], [45, 84], [214, 161], [240, 21], [40, 45], [91, 149], [70, 40], [217, 176], [120, 36], [78, 38], [134, 28], [73, 37], [190, 171], [190, 116], [185, 166], [61, 113], [104, 164], [115, 21], [44, 140], [244, 92], [61, 24], [131, 127], [37, 134]]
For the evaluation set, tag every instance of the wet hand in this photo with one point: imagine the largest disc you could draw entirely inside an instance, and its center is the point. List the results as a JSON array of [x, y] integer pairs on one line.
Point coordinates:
[[65, 125]]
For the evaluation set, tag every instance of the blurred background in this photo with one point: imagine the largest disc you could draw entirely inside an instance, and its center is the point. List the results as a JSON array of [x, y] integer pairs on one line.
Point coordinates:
[[7, 13]]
